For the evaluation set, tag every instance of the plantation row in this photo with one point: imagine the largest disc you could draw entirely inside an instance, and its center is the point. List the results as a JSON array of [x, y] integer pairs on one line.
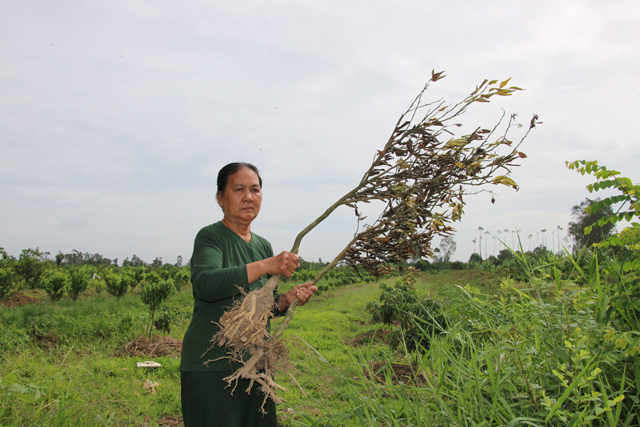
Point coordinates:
[[155, 284]]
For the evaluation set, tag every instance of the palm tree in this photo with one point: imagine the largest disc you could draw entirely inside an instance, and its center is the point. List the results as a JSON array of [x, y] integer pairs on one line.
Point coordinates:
[[494, 248], [530, 236], [544, 240], [474, 245], [485, 243], [480, 229]]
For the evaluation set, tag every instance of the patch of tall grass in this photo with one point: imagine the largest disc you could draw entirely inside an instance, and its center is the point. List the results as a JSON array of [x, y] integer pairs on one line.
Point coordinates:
[[539, 353]]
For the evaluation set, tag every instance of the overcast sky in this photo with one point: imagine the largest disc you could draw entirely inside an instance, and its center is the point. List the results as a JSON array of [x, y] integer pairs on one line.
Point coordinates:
[[115, 116]]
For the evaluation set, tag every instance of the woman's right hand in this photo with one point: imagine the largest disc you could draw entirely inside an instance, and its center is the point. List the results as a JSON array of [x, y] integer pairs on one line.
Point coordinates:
[[283, 264]]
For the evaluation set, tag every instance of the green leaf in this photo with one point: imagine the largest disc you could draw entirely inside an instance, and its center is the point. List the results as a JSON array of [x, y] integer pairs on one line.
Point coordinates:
[[568, 391], [524, 420], [17, 388], [9, 379], [562, 354], [27, 398]]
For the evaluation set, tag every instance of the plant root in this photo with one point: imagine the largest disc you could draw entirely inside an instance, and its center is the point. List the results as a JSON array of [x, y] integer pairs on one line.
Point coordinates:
[[243, 331], [266, 359], [245, 325]]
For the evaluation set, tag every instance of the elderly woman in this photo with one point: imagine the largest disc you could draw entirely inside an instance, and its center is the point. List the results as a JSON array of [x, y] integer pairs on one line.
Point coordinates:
[[227, 259]]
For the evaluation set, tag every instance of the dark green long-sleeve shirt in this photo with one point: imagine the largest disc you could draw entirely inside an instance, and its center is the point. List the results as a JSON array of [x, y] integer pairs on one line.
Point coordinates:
[[218, 272]]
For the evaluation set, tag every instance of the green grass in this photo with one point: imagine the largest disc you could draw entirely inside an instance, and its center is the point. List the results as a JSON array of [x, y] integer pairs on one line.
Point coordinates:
[[73, 363], [320, 336], [70, 357], [87, 383], [515, 354]]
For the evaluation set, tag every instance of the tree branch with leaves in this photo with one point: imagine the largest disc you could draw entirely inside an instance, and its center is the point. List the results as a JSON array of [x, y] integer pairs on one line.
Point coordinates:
[[421, 175]]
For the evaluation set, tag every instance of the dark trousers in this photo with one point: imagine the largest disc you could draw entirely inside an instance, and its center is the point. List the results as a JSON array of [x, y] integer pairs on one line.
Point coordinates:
[[207, 403]]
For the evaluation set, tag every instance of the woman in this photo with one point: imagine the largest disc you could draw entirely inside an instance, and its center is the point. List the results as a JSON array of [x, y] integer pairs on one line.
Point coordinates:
[[228, 259]]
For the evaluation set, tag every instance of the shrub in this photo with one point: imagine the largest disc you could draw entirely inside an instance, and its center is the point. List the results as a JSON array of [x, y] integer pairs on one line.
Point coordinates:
[[181, 278], [138, 276], [423, 265], [419, 319], [154, 294], [78, 283], [171, 314], [55, 283], [475, 258], [505, 255], [116, 285], [6, 282], [458, 265], [31, 267]]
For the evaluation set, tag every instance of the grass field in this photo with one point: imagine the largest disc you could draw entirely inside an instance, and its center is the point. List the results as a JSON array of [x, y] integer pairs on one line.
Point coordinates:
[[512, 354]]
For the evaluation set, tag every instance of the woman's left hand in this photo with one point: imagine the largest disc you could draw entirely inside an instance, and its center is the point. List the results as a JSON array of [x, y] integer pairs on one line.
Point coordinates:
[[302, 292]]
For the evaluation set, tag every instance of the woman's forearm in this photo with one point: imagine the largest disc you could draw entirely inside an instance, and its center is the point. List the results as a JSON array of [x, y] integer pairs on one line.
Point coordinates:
[[257, 269], [283, 264]]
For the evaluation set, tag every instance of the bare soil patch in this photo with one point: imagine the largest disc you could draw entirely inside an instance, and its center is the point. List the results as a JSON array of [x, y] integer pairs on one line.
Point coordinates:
[[46, 341], [153, 347], [170, 421], [26, 297], [399, 372]]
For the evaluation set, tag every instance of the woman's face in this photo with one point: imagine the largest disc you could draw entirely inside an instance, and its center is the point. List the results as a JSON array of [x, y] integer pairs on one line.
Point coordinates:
[[242, 197]]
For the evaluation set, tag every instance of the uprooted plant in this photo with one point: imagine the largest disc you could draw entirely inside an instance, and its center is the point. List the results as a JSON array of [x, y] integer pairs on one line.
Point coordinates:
[[421, 175]]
